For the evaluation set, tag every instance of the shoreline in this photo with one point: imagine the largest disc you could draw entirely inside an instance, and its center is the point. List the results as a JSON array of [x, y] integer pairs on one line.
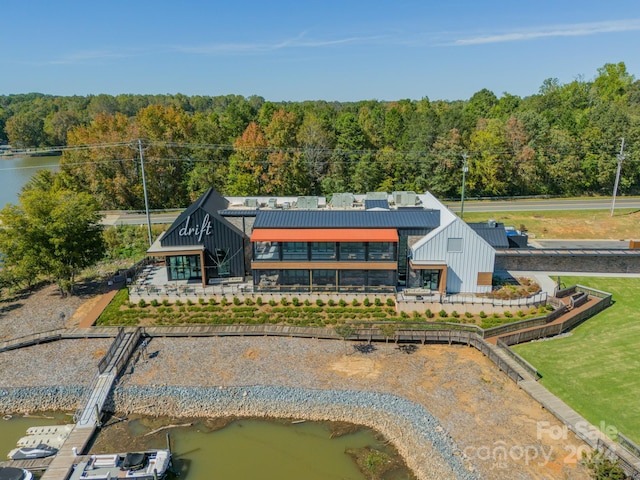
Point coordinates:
[[425, 446]]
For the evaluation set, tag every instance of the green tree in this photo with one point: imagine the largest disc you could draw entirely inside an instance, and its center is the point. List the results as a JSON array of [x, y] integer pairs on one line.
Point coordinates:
[[25, 130], [53, 233]]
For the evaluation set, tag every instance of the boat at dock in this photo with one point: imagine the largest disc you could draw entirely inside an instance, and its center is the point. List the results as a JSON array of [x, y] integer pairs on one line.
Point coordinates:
[[149, 465], [12, 473], [31, 453]]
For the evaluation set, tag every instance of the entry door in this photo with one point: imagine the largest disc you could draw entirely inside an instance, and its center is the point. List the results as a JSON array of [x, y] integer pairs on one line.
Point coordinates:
[[431, 279]]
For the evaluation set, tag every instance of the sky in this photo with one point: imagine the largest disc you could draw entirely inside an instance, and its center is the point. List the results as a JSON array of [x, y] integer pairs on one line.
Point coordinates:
[[334, 50]]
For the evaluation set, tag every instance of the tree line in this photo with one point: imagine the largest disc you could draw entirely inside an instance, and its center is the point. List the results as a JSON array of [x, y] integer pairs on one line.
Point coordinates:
[[563, 140]]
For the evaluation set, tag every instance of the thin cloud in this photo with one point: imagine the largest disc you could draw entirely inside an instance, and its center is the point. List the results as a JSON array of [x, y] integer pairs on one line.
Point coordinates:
[[90, 56], [575, 30], [296, 42]]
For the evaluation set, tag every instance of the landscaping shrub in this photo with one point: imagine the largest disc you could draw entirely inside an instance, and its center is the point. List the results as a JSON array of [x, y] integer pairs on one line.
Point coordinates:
[[213, 301], [201, 301], [455, 314], [331, 302], [366, 302], [355, 302], [284, 301], [272, 303], [131, 305], [154, 302], [520, 313], [295, 301], [390, 302], [166, 302], [404, 314], [416, 314], [224, 302], [319, 302], [429, 313], [189, 302], [142, 303], [259, 301], [442, 314], [468, 314], [482, 314], [508, 314], [178, 303], [248, 301], [377, 302], [342, 302], [307, 302], [236, 300], [496, 315]]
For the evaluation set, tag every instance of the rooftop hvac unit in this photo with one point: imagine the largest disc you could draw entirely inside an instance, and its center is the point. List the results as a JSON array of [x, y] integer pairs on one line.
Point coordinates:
[[342, 200], [273, 203], [251, 202], [309, 203], [404, 198], [377, 196]]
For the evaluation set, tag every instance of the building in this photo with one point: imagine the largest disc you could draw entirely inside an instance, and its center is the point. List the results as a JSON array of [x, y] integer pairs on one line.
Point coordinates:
[[371, 243]]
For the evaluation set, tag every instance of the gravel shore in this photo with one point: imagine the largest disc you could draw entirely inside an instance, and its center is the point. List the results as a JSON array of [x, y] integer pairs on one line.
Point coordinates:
[[447, 409]]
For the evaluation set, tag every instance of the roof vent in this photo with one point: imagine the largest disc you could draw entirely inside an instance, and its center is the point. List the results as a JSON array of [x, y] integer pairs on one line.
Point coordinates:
[[492, 222]]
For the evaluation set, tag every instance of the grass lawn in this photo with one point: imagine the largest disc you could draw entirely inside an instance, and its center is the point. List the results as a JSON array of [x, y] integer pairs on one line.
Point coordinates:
[[596, 370], [568, 224]]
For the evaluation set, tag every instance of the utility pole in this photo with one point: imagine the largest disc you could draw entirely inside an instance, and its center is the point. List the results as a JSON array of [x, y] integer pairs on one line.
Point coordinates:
[[465, 169], [615, 185], [144, 188]]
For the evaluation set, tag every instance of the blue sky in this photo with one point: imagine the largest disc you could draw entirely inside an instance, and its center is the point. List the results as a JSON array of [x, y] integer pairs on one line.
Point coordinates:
[[308, 50]]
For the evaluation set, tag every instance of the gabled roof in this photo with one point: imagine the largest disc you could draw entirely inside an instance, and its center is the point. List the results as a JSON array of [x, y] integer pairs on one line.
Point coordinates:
[[347, 219], [210, 201]]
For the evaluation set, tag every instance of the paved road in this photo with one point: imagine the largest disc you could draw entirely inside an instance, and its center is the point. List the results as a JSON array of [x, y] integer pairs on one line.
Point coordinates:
[[124, 218], [544, 204]]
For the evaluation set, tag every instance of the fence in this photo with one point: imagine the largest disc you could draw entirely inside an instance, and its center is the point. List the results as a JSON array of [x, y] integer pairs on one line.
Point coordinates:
[[523, 363], [102, 365]]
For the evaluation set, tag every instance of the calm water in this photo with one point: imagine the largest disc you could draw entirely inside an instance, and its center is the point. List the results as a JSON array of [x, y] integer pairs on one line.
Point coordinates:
[[245, 449], [16, 171]]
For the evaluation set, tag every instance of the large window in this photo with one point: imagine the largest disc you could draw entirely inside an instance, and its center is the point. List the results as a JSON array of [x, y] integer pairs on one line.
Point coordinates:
[[294, 251], [295, 277], [352, 251], [381, 278], [323, 251], [323, 277], [265, 251], [184, 267], [381, 251], [352, 278], [266, 278]]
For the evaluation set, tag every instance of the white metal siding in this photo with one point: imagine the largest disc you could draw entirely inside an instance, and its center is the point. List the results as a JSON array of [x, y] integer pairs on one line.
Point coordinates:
[[462, 267]]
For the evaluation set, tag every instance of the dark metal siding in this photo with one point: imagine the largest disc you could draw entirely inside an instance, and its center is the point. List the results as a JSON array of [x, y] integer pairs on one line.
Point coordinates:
[[223, 235], [422, 219]]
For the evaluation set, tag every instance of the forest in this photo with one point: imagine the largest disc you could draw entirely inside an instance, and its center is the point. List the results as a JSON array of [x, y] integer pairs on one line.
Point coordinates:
[[563, 140]]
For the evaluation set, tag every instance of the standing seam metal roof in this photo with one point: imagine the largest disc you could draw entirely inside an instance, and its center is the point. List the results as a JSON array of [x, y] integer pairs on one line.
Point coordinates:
[[347, 219]]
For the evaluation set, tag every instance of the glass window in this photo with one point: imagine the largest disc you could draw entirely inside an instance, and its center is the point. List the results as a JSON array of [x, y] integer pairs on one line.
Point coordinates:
[[295, 277], [454, 245], [381, 251], [323, 251], [266, 278], [265, 251], [352, 251], [323, 277], [294, 251], [351, 278], [381, 278], [183, 267]]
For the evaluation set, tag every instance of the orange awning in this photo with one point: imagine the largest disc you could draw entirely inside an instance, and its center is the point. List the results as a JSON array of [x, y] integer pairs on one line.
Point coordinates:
[[324, 235]]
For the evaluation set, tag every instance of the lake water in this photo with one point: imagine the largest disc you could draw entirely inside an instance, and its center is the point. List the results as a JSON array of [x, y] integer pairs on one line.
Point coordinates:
[[16, 171], [244, 449]]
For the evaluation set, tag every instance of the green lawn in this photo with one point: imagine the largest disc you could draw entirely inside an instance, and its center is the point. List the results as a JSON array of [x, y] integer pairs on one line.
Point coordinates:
[[596, 370]]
